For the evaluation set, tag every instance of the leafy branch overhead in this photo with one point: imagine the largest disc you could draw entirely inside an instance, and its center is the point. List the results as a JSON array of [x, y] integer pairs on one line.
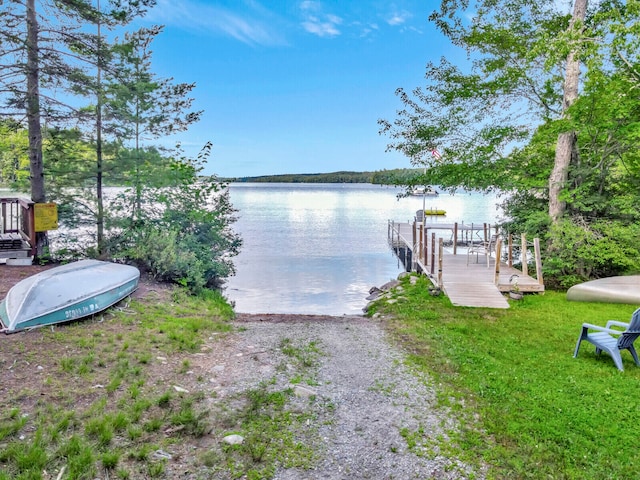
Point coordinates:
[[540, 109]]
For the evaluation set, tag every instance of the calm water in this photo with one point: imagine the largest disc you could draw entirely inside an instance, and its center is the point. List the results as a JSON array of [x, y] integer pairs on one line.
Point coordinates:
[[319, 248]]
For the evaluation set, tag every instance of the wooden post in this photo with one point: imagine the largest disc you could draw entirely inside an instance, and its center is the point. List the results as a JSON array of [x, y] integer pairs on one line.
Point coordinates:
[[433, 252], [523, 254], [440, 255], [510, 251], [420, 236], [496, 276], [32, 228], [4, 217], [484, 228], [536, 249], [393, 228], [414, 234], [425, 247], [455, 238]]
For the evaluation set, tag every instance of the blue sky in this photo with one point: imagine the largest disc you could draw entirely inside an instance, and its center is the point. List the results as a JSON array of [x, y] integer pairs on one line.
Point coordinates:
[[295, 86]]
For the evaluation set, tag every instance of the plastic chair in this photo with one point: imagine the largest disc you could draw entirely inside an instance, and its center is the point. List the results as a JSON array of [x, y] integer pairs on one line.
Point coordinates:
[[485, 248], [611, 340]]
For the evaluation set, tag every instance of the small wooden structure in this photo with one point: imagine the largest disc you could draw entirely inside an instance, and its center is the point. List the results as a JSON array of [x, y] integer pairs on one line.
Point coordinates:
[[421, 247], [17, 224]]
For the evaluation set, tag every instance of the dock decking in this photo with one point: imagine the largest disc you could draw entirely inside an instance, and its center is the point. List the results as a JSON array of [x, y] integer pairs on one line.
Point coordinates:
[[465, 279]]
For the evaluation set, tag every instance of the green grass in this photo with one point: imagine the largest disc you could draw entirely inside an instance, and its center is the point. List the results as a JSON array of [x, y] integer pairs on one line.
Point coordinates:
[[278, 428], [101, 411], [108, 402], [271, 431], [525, 405]]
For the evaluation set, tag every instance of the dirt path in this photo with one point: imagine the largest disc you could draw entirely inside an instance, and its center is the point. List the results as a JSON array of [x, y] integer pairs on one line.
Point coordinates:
[[371, 406]]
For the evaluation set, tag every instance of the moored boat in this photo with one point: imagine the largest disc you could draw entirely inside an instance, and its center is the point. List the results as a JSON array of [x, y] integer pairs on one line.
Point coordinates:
[[424, 192], [65, 293], [434, 211]]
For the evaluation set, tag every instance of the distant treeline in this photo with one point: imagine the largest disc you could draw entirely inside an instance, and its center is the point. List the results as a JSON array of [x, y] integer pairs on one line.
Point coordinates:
[[382, 177]]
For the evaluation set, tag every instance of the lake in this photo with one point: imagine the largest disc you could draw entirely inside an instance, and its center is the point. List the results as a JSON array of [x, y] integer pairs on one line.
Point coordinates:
[[319, 248]]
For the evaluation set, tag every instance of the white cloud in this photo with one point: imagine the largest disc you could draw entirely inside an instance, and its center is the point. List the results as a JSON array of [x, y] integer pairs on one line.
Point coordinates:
[[252, 26], [317, 22], [398, 18]]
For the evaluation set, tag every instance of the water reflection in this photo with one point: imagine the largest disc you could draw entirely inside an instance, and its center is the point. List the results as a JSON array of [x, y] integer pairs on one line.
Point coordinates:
[[318, 248]]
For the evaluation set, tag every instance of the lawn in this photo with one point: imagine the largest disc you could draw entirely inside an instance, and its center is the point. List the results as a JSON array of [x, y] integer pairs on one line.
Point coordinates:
[[526, 406], [128, 394], [95, 398]]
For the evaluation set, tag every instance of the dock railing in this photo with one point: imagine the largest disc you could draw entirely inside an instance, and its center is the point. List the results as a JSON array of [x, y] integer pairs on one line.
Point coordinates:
[[425, 251], [18, 219], [527, 252]]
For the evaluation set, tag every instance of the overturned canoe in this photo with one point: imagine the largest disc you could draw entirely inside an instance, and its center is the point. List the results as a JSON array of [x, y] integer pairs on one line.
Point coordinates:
[[623, 289], [64, 293]]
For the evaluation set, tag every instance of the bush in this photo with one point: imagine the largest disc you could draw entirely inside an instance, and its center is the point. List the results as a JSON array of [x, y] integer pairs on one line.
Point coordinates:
[[579, 251], [180, 234]]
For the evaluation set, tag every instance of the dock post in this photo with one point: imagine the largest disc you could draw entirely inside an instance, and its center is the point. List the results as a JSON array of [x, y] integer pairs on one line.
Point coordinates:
[[455, 238], [425, 246], [510, 250], [420, 237], [433, 252], [536, 250], [440, 255], [414, 234], [496, 277], [392, 228], [523, 254]]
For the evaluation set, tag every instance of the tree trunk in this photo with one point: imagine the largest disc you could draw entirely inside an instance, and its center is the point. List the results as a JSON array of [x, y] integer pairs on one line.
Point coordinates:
[[33, 119], [566, 140], [33, 106], [99, 162]]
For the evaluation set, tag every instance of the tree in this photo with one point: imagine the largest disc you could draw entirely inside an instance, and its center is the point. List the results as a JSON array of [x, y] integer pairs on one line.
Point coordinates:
[[33, 105], [565, 147], [474, 118], [46, 59], [143, 107], [184, 231], [94, 50], [14, 155], [497, 120]]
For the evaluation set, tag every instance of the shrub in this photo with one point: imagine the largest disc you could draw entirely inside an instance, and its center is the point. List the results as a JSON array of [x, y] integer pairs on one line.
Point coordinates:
[[180, 234], [579, 251]]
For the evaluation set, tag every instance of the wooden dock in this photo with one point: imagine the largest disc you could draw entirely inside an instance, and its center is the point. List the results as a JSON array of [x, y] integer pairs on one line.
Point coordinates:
[[465, 278]]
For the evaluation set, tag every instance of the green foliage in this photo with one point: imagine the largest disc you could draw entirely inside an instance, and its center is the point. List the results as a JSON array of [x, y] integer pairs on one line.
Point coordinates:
[[268, 427], [380, 177], [110, 460], [14, 157], [582, 251], [524, 405], [496, 121], [183, 233]]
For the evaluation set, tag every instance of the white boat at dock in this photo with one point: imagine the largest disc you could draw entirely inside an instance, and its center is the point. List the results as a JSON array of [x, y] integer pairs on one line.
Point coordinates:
[[65, 293], [424, 192]]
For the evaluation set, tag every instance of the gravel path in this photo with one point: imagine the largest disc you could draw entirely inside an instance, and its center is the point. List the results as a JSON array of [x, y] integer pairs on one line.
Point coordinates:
[[372, 395]]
